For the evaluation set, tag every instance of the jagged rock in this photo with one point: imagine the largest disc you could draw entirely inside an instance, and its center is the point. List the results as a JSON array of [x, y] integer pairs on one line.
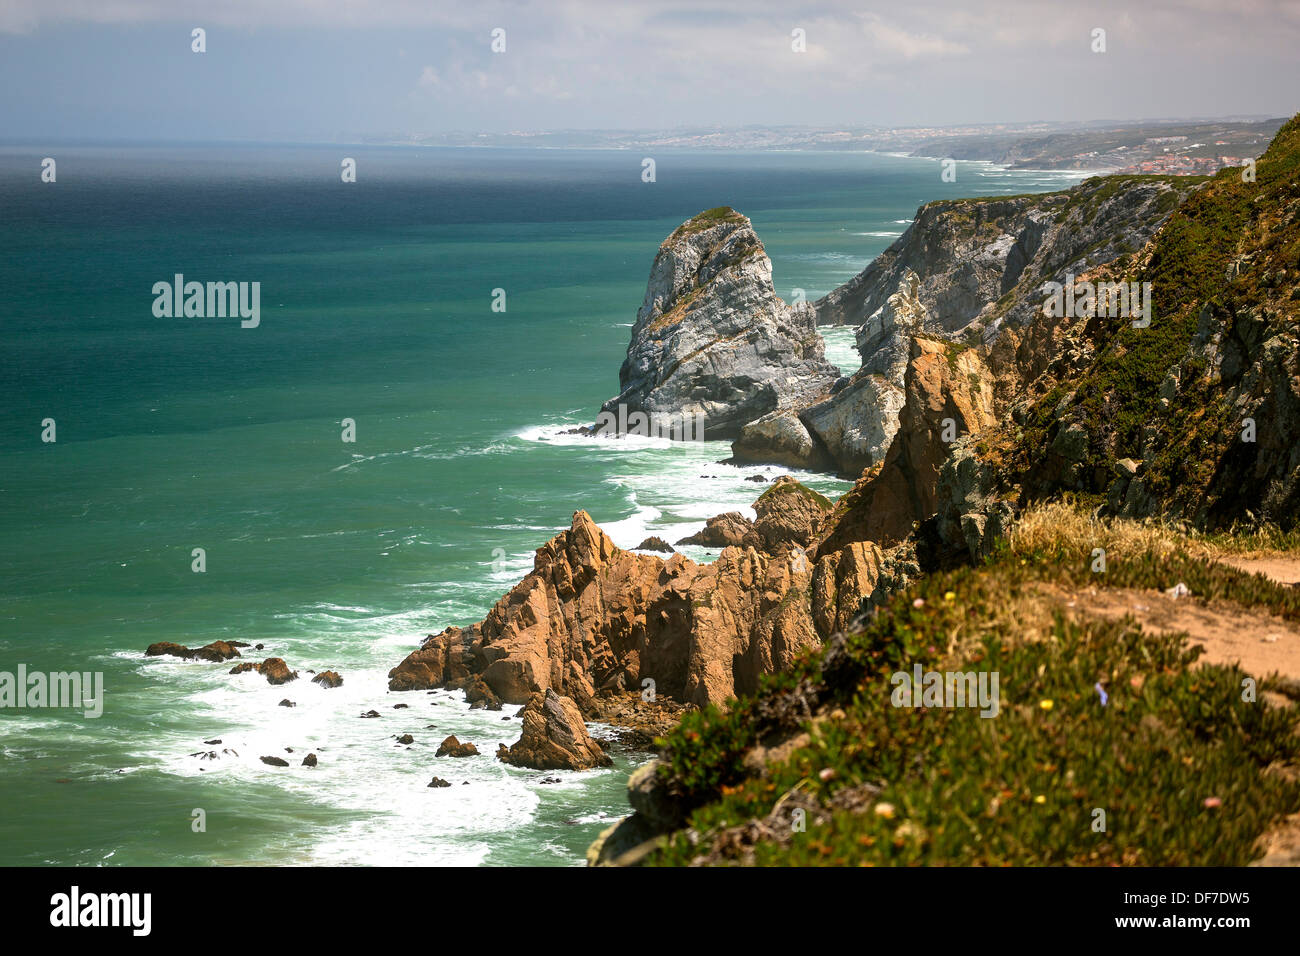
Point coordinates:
[[655, 544], [554, 737], [406, 739], [843, 584], [724, 530], [479, 695], [309, 760], [949, 396], [591, 617], [975, 509], [857, 424], [451, 747], [328, 679], [371, 714], [712, 339], [438, 782], [216, 652], [985, 260], [287, 703]]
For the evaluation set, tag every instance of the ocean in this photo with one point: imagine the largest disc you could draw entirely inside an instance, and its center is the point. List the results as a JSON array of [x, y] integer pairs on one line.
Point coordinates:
[[176, 434]]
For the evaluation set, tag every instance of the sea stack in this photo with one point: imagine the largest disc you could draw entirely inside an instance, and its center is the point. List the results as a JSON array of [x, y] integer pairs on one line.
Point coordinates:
[[714, 347]]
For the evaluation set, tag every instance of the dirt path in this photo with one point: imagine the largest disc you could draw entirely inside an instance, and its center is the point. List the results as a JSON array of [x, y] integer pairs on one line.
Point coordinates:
[[1262, 643], [1283, 570]]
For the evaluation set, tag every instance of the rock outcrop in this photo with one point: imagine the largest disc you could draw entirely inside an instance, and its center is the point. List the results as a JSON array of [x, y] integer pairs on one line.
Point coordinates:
[[274, 669], [713, 344], [554, 737], [216, 652], [593, 619], [451, 747], [949, 396], [962, 271], [731, 529], [971, 254]]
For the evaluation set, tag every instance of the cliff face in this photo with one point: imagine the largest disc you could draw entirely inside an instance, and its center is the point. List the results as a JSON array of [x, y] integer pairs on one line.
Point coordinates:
[[960, 273], [972, 254], [1198, 415], [712, 338]]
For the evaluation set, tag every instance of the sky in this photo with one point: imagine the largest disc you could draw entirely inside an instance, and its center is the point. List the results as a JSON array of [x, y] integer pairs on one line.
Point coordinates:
[[357, 70]]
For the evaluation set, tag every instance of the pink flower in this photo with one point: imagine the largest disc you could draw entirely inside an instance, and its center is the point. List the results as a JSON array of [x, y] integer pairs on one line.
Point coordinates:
[[919, 602], [1212, 802]]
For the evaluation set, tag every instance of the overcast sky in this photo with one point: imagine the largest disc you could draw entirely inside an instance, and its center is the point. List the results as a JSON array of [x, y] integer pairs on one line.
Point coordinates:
[[331, 70]]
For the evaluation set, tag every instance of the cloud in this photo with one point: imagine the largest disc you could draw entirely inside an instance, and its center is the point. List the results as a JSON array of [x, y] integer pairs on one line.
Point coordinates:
[[890, 40]]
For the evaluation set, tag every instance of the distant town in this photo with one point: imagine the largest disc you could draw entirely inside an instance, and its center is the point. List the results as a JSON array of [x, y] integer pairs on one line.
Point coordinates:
[[1168, 147]]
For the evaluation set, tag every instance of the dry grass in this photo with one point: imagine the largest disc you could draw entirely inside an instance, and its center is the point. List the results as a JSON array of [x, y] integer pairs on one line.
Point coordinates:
[[1061, 525]]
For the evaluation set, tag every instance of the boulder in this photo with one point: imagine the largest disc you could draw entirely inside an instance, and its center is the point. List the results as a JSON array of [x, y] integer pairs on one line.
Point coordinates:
[[275, 761], [328, 679], [274, 669], [167, 648], [789, 515], [723, 531], [554, 737], [779, 438], [451, 747]]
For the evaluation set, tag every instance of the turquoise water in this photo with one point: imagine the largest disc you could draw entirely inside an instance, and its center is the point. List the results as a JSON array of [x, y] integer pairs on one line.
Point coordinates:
[[175, 434]]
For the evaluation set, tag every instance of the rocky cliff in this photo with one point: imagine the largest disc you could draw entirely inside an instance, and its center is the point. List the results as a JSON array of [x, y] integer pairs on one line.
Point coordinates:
[[712, 341], [962, 270]]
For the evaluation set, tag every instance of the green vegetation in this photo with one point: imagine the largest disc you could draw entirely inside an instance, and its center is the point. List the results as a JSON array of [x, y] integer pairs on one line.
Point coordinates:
[[706, 220], [1192, 258], [799, 488], [1176, 759]]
